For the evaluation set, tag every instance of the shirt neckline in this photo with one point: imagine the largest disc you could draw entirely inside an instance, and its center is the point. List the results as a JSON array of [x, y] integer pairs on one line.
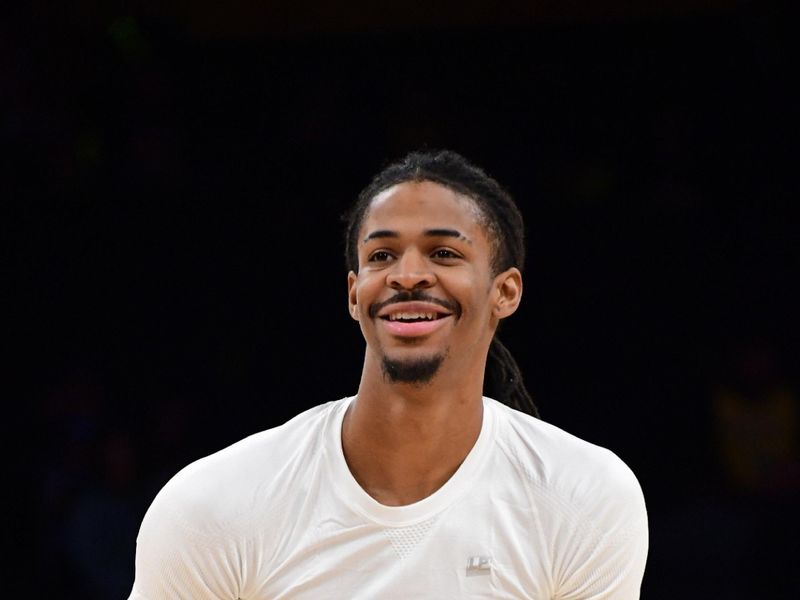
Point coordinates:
[[397, 516]]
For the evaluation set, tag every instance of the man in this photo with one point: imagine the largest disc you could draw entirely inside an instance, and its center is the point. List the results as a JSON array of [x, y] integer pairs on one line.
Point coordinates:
[[418, 486]]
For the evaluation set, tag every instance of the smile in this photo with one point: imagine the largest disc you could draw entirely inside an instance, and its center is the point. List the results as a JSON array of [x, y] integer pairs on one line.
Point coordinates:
[[413, 319], [414, 328]]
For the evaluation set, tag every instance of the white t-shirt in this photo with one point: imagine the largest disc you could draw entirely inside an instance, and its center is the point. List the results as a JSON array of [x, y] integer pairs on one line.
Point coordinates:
[[533, 512]]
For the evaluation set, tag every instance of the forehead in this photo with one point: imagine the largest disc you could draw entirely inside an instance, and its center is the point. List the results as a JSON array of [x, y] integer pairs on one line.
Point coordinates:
[[422, 204]]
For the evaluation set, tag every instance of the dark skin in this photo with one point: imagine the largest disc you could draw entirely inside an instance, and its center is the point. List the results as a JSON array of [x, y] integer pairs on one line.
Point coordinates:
[[404, 440]]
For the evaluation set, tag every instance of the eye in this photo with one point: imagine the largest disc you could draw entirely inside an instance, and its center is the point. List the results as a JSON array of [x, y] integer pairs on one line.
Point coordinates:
[[445, 254], [379, 256]]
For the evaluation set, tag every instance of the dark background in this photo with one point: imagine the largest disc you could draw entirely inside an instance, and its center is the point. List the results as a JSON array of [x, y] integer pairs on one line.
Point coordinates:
[[174, 176]]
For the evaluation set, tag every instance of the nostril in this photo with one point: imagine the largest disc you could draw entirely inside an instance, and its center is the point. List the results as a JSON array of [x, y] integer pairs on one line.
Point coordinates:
[[410, 280], [411, 285]]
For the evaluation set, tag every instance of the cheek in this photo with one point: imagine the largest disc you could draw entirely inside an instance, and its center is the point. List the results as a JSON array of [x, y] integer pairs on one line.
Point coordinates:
[[366, 289], [481, 299]]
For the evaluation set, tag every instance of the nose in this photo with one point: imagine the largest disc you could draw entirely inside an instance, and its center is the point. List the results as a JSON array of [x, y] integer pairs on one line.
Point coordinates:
[[411, 271]]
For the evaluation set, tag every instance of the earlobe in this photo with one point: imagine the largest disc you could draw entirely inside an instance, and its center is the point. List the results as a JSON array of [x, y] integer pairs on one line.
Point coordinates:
[[509, 292]]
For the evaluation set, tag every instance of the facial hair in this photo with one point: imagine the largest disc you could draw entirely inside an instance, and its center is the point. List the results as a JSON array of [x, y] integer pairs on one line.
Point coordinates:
[[418, 371]]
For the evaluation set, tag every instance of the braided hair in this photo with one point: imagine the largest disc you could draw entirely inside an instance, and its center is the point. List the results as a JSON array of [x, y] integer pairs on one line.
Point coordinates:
[[500, 216]]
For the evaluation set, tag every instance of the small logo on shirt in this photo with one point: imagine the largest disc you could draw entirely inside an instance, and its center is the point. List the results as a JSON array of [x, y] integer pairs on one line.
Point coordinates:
[[479, 565]]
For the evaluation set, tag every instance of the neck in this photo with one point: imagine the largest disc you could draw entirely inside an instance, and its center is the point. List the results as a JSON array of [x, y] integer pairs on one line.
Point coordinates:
[[403, 441]]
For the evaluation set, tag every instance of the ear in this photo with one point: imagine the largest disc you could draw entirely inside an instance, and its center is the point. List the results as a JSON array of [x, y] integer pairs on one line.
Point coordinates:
[[507, 292], [352, 279]]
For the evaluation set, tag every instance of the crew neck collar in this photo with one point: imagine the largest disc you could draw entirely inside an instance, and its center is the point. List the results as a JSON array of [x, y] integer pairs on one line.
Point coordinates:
[[410, 514]]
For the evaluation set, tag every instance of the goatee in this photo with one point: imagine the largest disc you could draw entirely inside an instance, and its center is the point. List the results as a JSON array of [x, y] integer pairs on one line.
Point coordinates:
[[417, 371]]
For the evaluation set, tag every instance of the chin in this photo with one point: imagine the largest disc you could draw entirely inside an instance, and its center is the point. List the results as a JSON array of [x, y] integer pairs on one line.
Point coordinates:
[[411, 369]]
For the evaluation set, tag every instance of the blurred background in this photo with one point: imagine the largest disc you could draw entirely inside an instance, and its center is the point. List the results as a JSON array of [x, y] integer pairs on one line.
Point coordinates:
[[174, 176]]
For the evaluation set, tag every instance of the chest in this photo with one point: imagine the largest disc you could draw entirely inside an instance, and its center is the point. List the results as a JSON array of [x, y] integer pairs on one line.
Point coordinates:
[[486, 546]]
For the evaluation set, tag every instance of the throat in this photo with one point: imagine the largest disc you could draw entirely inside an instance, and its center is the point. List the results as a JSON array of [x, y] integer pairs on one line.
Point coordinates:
[[400, 454], [405, 491]]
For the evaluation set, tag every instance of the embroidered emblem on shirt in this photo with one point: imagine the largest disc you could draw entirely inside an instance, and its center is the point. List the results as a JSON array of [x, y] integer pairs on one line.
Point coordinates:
[[479, 565]]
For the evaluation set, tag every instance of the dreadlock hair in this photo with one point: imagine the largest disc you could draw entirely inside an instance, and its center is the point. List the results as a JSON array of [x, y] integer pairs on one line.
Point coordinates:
[[503, 222]]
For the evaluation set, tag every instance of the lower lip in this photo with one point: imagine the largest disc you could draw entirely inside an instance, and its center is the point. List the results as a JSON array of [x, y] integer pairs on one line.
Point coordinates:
[[418, 328]]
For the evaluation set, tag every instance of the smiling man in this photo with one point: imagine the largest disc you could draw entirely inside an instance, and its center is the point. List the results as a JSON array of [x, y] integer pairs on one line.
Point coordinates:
[[419, 486]]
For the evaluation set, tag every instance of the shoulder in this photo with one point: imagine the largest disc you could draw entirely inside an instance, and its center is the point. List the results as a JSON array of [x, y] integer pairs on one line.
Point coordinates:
[[197, 538], [219, 492], [581, 476], [584, 500]]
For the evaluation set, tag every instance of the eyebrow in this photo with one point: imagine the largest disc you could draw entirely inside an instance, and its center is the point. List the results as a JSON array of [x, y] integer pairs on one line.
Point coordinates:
[[388, 233]]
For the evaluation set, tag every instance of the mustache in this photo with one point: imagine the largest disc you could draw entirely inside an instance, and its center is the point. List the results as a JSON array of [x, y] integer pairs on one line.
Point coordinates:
[[414, 296]]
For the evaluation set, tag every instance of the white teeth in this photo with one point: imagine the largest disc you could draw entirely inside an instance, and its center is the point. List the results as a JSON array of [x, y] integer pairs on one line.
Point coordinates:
[[407, 316]]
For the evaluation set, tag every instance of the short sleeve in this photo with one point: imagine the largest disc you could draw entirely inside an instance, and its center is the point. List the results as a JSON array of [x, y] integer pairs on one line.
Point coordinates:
[[177, 561], [603, 557]]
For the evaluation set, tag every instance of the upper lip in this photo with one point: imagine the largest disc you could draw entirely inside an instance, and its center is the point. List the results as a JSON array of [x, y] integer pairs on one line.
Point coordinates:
[[414, 308]]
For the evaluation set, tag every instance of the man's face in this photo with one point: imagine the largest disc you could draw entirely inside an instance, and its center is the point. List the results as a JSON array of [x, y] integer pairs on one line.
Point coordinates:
[[424, 295]]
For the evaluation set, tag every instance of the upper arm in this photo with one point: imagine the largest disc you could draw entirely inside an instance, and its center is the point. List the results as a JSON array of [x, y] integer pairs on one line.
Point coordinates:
[[176, 561], [605, 555]]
